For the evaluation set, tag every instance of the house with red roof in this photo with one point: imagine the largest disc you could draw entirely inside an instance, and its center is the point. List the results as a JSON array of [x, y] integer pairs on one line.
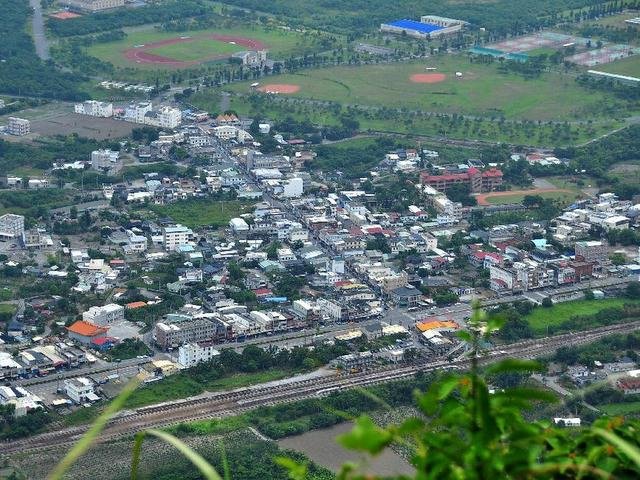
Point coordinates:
[[85, 332]]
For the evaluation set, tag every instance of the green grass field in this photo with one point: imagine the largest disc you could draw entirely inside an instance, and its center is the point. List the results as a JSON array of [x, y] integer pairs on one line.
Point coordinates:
[[199, 213], [560, 312], [629, 66], [196, 49], [621, 408], [564, 197], [280, 43], [481, 91]]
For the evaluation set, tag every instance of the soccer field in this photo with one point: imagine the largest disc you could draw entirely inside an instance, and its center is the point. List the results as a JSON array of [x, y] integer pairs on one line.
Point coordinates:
[[480, 90]]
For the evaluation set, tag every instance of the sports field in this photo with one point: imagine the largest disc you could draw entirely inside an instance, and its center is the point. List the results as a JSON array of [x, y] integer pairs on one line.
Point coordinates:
[[628, 66], [480, 90], [149, 48], [504, 198]]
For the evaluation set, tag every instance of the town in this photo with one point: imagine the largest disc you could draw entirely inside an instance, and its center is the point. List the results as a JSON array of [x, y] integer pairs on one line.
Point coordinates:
[[235, 244]]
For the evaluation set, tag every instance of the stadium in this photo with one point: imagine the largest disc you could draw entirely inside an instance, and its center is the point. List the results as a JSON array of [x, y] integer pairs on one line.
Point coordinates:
[[429, 26]]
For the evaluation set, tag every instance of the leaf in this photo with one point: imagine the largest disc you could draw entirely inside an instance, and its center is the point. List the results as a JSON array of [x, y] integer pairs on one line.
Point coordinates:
[[529, 394], [447, 386], [194, 457], [297, 471], [515, 365], [366, 436], [465, 336], [98, 425], [628, 449]]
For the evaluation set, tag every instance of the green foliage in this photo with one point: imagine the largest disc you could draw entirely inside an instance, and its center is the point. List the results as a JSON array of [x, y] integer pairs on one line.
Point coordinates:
[[202, 212], [22, 72], [101, 22], [129, 348], [352, 161], [12, 427]]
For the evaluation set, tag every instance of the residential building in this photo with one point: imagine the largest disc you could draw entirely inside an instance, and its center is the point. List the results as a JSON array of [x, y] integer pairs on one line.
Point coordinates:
[[105, 315], [80, 390], [629, 385], [18, 126], [176, 236], [94, 108], [238, 225], [165, 117], [104, 159], [591, 251], [406, 296], [92, 5], [191, 354], [477, 180], [11, 227], [137, 112], [330, 308], [292, 188]]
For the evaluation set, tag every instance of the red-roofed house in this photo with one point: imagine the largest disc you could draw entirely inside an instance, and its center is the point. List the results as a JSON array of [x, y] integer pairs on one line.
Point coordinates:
[[85, 332], [263, 292], [478, 181]]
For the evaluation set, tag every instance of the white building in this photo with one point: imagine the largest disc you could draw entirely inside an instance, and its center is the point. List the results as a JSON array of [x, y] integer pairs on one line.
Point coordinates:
[[173, 237], [80, 390], [191, 354], [292, 188], [105, 315], [165, 117], [18, 126], [104, 159], [92, 5], [137, 112], [137, 243], [286, 255], [332, 309], [11, 226], [238, 225], [94, 108], [21, 398]]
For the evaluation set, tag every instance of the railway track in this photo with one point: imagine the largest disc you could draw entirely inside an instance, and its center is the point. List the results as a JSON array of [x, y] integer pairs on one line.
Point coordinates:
[[229, 403]]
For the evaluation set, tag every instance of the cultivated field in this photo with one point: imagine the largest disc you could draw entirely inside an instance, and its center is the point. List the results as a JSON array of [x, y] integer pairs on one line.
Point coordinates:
[[197, 46], [481, 90]]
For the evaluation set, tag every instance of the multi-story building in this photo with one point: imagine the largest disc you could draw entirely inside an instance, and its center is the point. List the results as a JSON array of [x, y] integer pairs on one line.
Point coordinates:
[[177, 330], [23, 400], [93, 5], [251, 57], [137, 112], [105, 315], [521, 276], [165, 117], [11, 227], [176, 236], [80, 390], [591, 251], [477, 180], [104, 159], [94, 108], [191, 354], [18, 126], [330, 308]]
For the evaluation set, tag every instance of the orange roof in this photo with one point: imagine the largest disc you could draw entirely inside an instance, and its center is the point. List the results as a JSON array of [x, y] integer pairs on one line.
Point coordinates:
[[134, 305], [86, 329], [434, 324]]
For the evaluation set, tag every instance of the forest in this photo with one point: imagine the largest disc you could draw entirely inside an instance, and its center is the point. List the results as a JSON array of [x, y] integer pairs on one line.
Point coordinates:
[[500, 17], [22, 72]]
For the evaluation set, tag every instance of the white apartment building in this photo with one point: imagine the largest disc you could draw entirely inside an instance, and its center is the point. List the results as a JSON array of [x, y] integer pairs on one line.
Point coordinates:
[[93, 5], [80, 390], [11, 226], [173, 237], [165, 117], [286, 255], [101, 159], [292, 188], [137, 112], [105, 315], [332, 309], [18, 126], [191, 354], [137, 243], [94, 108]]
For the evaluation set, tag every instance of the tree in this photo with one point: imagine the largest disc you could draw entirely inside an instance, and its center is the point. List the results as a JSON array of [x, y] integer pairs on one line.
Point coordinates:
[[618, 258], [547, 302], [633, 290]]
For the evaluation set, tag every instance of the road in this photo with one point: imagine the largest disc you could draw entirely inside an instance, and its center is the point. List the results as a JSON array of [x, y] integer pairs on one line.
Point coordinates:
[[230, 403], [39, 39]]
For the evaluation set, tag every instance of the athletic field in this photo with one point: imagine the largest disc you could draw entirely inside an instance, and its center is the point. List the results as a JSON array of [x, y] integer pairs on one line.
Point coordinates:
[[460, 87], [151, 49], [629, 66]]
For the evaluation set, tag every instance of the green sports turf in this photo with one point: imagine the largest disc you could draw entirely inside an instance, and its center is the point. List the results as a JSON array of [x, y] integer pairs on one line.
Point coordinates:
[[629, 66], [196, 49], [482, 90], [517, 198]]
